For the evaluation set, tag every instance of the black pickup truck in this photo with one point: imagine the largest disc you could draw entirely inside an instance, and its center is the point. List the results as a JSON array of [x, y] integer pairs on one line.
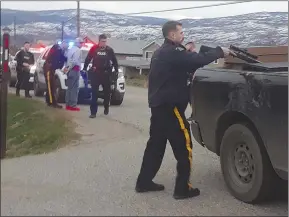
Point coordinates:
[[242, 116]]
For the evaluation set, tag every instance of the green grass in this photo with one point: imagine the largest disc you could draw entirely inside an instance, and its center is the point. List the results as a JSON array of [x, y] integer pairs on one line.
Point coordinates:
[[33, 128], [137, 81]]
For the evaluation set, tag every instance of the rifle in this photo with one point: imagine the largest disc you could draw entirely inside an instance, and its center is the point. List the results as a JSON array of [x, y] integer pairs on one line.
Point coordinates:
[[244, 55], [239, 53]]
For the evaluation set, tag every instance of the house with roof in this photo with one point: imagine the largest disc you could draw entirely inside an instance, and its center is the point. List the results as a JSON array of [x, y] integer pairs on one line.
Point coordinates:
[[124, 49], [151, 47]]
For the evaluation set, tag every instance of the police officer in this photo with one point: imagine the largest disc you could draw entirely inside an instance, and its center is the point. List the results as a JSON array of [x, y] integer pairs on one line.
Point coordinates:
[[103, 60], [25, 60], [168, 99], [55, 60]]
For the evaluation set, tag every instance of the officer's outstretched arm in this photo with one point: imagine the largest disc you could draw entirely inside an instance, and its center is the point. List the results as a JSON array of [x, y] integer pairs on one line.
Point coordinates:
[[192, 60]]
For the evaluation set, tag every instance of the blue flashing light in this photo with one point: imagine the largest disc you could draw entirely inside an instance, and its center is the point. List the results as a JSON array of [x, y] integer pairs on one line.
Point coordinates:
[[71, 43]]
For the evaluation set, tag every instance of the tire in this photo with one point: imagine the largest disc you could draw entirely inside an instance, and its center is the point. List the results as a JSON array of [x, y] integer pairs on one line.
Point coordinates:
[[116, 100], [59, 92], [257, 183], [37, 90], [12, 83]]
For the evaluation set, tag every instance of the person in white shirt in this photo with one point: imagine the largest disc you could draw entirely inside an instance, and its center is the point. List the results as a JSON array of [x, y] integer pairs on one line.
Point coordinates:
[[73, 73]]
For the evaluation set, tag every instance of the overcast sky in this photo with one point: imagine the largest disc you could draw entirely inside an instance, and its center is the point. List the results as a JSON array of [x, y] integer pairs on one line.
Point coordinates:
[[140, 6]]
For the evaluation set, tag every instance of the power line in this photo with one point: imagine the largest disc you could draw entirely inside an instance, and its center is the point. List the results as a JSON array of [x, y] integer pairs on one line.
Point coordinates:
[[168, 10], [188, 8]]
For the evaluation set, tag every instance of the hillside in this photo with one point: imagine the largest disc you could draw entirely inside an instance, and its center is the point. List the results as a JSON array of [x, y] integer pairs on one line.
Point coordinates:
[[264, 28]]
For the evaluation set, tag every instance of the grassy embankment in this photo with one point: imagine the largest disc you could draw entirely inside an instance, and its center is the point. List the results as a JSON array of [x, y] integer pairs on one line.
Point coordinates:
[[137, 81], [33, 128]]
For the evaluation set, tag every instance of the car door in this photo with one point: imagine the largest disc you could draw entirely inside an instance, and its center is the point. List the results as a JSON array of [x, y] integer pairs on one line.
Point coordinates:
[[12, 66]]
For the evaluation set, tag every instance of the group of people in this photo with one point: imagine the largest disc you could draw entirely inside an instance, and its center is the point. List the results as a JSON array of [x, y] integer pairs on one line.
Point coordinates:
[[172, 65], [70, 60]]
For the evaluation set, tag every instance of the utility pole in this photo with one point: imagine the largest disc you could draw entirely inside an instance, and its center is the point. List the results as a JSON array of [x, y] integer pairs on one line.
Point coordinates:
[[62, 30], [4, 73], [14, 23], [78, 19]]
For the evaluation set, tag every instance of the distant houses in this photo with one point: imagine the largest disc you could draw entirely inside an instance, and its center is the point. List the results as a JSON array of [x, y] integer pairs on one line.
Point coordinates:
[[134, 55]]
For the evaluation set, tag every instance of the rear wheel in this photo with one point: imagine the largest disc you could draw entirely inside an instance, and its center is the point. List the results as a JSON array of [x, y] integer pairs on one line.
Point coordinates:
[[37, 90], [116, 99], [246, 166], [12, 83]]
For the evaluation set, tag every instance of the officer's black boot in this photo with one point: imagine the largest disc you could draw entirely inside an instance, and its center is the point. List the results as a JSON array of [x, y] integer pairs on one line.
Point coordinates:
[[55, 106], [193, 192], [148, 187], [17, 92], [58, 106], [106, 110], [27, 95]]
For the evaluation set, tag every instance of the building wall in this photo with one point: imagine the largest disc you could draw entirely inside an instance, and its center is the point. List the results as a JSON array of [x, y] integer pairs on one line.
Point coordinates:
[[125, 56], [152, 48], [130, 72], [133, 72]]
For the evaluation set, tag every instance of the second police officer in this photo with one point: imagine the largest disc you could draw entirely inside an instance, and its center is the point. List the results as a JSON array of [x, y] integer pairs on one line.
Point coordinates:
[[103, 60]]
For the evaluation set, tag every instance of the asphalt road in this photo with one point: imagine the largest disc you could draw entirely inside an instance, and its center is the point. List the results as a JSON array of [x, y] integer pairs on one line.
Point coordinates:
[[97, 175]]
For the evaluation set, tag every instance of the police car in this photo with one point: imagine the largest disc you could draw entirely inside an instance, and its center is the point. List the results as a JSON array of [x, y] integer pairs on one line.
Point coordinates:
[[84, 92], [12, 67]]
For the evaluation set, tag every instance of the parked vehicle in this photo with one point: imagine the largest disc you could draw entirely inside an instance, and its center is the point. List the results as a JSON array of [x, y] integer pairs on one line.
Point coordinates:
[[242, 116], [84, 93]]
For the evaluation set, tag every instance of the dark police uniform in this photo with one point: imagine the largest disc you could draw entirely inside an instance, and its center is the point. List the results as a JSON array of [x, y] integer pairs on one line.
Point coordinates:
[[23, 72], [168, 97], [55, 60], [103, 60]]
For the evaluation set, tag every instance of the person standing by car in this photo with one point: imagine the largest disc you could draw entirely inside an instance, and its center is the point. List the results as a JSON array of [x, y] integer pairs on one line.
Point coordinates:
[[103, 60], [168, 98], [55, 60], [73, 73], [25, 60]]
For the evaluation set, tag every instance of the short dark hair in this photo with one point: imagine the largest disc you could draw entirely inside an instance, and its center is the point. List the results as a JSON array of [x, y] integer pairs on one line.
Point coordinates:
[[170, 26], [102, 36], [26, 42]]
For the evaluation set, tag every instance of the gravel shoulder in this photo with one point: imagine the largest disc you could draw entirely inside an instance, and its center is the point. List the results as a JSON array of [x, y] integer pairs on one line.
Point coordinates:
[[97, 175]]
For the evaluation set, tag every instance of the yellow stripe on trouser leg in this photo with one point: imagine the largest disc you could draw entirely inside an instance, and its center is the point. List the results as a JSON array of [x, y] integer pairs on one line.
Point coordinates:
[[187, 138], [49, 87]]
